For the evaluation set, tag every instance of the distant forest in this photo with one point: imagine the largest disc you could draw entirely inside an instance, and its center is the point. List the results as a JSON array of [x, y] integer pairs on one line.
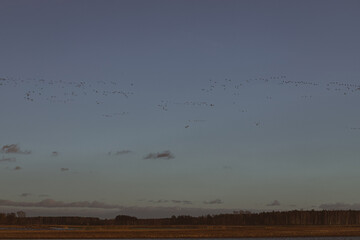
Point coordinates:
[[348, 217]]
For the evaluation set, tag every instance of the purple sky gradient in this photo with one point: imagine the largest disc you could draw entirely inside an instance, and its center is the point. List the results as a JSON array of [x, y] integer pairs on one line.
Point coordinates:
[[166, 105]]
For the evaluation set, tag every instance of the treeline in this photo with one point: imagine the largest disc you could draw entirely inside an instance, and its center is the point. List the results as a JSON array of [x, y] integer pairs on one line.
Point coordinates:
[[20, 218], [348, 217]]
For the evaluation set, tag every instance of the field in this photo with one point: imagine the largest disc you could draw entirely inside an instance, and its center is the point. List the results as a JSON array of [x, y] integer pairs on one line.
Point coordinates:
[[78, 232]]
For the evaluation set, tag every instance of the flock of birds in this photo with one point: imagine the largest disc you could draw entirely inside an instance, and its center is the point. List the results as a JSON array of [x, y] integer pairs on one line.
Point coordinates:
[[60, 91], [66, 92]]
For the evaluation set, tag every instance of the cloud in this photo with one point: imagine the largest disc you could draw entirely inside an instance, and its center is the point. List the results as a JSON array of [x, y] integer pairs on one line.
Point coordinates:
[[216, 201], [172, 201], [181, 201], [53, 207], [158, 201], [122, 152], [43, 195], [25, 194], [3, 159], [44, 208], [163, 155], [13, 148], [17, 168], [64, 169], [340, 206], [50, 203], [274, 203], [55, 153]]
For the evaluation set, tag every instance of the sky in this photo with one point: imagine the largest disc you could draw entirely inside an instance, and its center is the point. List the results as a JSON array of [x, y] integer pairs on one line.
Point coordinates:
[[159, 108]]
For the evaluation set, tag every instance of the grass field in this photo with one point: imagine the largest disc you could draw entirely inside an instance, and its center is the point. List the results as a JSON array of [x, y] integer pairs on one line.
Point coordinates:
[[78, 232]]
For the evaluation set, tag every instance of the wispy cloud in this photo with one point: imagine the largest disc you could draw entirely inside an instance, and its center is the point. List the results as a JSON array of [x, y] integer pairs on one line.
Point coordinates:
[[274, 203], [216, 201], [55, 154], [340, 206], [117, 153], [50, 203], [170, 201], [4, 159], [158, 201], [43, 195], [51, 207], [13, 148], [162, 155], [25, 194], [181, 201], [227, 167]]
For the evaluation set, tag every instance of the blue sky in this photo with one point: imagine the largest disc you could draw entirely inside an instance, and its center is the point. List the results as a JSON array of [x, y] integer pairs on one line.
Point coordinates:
[[153, 108]]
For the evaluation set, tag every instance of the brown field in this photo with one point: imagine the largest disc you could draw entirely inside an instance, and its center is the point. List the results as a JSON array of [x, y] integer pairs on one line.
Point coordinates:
[[76, 232]]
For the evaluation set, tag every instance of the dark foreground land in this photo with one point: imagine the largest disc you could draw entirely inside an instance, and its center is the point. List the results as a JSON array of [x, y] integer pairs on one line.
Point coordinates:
[[92, 232], [237, 225]]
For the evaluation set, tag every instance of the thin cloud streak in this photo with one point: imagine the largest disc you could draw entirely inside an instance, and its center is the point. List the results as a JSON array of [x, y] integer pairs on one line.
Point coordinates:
[[136, 211], [43, 195], [158, 201], [117, 153], [340, 206], [25, 194], [216, 201], [162, 155], [50, 203], [13, 148], [170, 201], [4, 159], [55, 154], [274, 203], [52, 207], [182, 201], [122, 152]]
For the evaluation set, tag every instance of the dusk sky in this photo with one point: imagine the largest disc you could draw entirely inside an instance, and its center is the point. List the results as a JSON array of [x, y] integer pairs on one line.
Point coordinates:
[[155, 108]]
